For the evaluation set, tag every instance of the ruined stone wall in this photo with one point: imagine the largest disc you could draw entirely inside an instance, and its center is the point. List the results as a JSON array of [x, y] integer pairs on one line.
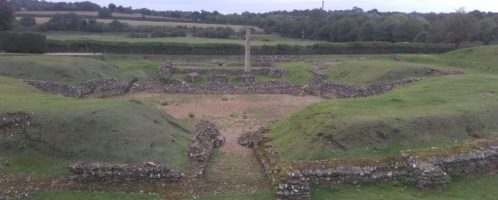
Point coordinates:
[[208, 139], [267, 87], [166, 70], [55, 88], [93, 88], [426, 171], [101, 172], [320, 86]]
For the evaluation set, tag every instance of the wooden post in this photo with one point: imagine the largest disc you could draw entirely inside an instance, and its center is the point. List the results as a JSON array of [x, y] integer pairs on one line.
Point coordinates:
[[247, 67]]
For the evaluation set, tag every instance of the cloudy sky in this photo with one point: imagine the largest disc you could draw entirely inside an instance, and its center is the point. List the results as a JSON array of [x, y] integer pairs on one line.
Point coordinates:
[[231, 6]]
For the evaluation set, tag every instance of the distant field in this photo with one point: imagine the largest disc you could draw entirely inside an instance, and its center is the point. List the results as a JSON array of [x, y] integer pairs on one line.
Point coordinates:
[[258, 40], [92, 14], [41, 20]]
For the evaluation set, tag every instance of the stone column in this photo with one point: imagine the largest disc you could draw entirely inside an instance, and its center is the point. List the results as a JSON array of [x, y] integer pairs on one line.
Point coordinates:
[[247, 67]]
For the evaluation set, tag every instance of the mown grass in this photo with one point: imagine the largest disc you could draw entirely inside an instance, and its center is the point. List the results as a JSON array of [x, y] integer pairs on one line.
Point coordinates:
[[437, 111], [107, 130], [72, 70], [297, 72], [364, 72], [478, 187], [86, 195], [258, 40]]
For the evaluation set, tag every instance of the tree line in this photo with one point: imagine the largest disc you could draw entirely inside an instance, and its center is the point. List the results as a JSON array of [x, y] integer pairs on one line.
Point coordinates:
[[354, 25]]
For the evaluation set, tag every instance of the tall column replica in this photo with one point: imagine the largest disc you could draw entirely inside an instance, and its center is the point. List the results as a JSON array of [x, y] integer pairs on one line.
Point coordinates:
[[247, 77], [247, 68]]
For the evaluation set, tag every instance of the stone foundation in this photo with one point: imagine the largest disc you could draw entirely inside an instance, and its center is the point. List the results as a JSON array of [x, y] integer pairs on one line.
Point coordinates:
[[101, 172], [425, 170], [94, 88], [248, 78], [208, 139]]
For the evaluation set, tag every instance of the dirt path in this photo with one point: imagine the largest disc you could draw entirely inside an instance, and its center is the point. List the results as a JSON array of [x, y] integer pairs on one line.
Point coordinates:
[[233, 165]]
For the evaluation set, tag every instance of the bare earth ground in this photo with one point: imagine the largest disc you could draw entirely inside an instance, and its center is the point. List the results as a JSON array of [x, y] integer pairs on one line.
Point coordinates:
[[232, 170], [233, 166]]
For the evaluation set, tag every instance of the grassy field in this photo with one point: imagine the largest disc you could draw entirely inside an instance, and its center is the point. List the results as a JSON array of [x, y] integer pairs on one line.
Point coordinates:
[[297, 72], [434, 112], [56, 68], [363, 72], [258, 40], [67, 129], [138, 22], [479, 187]]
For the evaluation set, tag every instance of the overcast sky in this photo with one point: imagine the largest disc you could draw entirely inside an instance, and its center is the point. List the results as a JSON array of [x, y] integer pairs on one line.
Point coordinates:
[[231, 6]]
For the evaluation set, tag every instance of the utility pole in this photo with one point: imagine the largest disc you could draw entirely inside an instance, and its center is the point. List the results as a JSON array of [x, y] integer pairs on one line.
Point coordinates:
[[323, 4]]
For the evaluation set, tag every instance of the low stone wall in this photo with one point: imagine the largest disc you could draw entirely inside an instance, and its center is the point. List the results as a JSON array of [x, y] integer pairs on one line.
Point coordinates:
[[425, 170], [266, 87], [208, 139], [93, 88], [320, 86], [55, 88], [276, 58], [101, 172], [267, 71]]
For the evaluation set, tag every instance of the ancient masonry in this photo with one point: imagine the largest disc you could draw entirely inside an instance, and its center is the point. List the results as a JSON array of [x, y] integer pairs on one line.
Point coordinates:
[[220, 83], [208, 138], [426, 169], [93, 88]]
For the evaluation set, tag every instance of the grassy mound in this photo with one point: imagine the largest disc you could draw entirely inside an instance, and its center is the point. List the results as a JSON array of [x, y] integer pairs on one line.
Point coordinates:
[[109, 130], [65, 69], [482, 59], [363, 72], [434, 112]]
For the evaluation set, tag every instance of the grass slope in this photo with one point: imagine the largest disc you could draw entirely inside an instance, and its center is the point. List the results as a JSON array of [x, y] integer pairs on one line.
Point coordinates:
[[110, 130], [434, 112], [55, 68], [363, 72], [257, 40]]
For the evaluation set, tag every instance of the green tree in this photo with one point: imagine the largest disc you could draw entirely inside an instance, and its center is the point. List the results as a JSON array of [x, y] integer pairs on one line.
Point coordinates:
[[367, 31], [6, 15], [112, 7], [486, 30], [457, 27], [105, 13], [346, 30], [408, 29]]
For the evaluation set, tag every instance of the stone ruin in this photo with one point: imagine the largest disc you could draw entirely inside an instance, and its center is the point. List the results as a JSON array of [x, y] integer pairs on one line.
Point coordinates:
[[322, 87], [93, 88], [427, 170], [102, 172], [208, 138]]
